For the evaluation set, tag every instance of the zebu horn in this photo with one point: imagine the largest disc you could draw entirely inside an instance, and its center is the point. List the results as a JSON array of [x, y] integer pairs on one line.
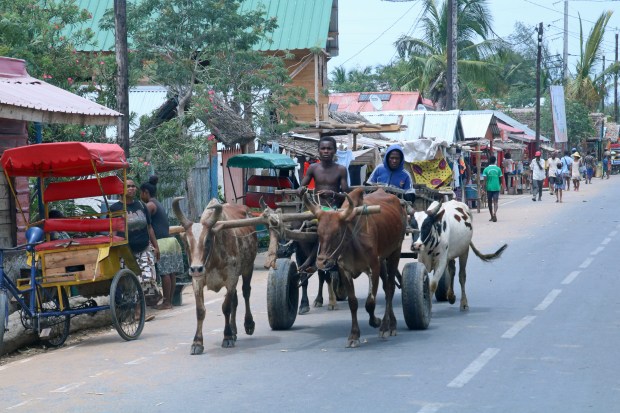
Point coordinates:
[[215, 216], [346, 213], [312, 207], [300, 236], [433, 210], [176, 208]]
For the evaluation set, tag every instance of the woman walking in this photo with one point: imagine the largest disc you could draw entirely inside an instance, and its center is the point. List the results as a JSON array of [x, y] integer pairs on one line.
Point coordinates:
[[171, 259], [576, 170]]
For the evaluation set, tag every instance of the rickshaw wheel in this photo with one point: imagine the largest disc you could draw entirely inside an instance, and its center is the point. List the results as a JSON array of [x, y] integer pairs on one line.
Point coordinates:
[[4, 302], [59, 325], [416, 296], [127, 305], [282, 294]]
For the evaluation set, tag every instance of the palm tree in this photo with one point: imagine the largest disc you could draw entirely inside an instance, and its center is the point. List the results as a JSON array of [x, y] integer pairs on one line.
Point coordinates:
[[585, 86], [427, 57]]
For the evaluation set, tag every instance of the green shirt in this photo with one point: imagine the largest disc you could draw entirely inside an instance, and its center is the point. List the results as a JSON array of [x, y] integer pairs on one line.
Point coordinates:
[[492, 173]]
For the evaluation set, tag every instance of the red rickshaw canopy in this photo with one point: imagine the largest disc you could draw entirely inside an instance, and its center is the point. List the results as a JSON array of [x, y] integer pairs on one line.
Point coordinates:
[[63, 159]]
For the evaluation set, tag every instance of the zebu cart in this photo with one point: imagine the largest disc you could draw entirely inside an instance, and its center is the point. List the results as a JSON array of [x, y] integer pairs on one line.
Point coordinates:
[[87, 262], [285, 278]]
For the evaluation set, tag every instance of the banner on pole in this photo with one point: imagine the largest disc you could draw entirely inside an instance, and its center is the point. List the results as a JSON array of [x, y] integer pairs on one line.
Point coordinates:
[[558, 111]]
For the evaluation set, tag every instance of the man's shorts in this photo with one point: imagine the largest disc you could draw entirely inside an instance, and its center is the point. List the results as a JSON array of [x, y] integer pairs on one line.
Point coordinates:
[[492, 195]]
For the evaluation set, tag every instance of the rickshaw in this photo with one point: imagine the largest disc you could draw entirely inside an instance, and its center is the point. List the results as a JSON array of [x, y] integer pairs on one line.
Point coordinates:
[[92, 261]]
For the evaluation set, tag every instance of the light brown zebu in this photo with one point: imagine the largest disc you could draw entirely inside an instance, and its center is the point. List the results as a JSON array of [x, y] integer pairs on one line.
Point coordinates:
[[216, 260], [363, 243]]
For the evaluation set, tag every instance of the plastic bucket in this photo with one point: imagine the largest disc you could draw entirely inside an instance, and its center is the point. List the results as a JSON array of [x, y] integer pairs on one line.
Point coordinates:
[[471, 191]]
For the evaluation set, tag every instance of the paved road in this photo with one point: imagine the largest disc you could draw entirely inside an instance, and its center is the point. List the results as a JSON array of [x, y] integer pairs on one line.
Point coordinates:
[[541, 336]]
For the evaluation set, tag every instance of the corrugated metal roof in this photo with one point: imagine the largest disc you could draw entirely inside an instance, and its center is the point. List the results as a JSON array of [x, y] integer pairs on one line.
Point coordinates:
[[509, 121], [476, 125], [144, 100], [23, 97], [302, 24], [350, 102], [442, 126]]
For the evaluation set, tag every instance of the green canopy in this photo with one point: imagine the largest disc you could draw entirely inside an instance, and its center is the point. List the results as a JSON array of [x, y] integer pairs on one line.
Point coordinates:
[[261, 160]]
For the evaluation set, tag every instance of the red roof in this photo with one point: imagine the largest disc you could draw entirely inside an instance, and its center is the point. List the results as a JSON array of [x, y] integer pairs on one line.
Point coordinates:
[[361, 101], [26, 98], [63, 159], [508, 128]]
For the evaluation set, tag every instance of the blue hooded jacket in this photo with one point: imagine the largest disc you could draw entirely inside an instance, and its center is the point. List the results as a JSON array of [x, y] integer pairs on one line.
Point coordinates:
[[398, 177]]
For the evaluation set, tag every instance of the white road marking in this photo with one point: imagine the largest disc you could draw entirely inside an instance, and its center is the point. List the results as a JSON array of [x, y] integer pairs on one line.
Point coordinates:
[[548, 300], [473, 368], [430, 408], [606, 241], [519, 325], [102, 373], [188, 309], [570, 277], [162, 351], [597, 250], [67, 388], [586, 263], [613, 233], [138, 360], [15, 406]]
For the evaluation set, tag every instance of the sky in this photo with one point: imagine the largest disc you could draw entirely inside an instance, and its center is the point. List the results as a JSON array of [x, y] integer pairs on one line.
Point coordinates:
[[368, 28]]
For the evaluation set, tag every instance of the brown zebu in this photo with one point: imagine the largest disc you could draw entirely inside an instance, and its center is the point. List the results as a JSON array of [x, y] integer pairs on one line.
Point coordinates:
[[363, 243], [216, 260]]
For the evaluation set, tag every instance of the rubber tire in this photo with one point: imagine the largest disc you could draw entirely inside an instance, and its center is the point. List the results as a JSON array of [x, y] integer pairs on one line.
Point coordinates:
[[125, 293], [60, 340], [441, 293], [416, 296], [282, 294], [4, 302]]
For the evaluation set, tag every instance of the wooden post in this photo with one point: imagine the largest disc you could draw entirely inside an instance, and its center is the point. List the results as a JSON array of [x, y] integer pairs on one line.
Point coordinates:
[[354, 142], [478, 167]]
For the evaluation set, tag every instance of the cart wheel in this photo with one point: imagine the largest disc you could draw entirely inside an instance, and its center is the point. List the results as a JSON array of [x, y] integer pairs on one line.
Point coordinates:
[[441, 293], [4, 304], [127, 305], [59, 325], [282, 294], [416, 296]]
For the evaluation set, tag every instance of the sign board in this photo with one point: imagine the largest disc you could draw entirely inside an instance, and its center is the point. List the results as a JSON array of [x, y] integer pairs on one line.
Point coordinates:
[[558, 111]]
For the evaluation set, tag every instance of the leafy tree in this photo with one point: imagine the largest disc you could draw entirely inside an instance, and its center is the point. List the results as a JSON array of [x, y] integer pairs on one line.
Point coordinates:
[[427, 56], [203, 51], [585, 86]]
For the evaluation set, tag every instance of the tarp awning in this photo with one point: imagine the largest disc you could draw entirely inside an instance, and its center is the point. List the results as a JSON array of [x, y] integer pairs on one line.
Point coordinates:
[[63, 159], [261, 160]]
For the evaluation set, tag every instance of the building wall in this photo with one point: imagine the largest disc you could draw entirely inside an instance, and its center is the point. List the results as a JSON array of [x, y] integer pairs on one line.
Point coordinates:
[[305, 112], [12, 225]]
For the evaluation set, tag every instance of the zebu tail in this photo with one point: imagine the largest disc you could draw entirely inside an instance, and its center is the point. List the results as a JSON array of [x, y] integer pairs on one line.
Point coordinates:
[[488, 257]]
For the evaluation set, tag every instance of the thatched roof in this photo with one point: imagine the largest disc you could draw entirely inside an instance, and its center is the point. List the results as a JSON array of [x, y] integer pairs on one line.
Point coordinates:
[[226, 124]]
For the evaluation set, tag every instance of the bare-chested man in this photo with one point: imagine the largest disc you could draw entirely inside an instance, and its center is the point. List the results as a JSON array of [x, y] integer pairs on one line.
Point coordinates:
[[330, 178]]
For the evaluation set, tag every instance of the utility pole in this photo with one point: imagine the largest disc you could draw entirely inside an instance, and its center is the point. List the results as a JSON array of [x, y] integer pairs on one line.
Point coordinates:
[[122, 75], [603, 89], [616, 84], [565, 56], [538, 65], [452, 76]]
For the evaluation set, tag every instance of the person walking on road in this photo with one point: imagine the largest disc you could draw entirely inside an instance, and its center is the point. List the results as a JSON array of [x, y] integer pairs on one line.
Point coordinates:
[[575, 170], [559, 182], [552, 163], [567, 161], [590, 162], [606, 165], [493, 174], [537, 166]]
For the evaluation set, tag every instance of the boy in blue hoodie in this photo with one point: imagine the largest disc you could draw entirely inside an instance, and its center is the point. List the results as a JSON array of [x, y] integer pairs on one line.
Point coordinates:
[[392, 172]]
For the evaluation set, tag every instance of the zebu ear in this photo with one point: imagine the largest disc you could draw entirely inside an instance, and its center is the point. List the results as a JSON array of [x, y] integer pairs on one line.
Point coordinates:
[[312, 207], [186, 223]]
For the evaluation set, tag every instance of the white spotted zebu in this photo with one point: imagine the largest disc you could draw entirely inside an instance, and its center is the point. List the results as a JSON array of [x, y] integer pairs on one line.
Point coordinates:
[[216, 260], [444, 233]]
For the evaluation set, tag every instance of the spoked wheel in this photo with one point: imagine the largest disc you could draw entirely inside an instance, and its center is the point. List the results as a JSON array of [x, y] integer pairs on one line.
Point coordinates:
[[58, 325], [4, 310], [416, 296], [282, 294], [441, 293], [127, 305]]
